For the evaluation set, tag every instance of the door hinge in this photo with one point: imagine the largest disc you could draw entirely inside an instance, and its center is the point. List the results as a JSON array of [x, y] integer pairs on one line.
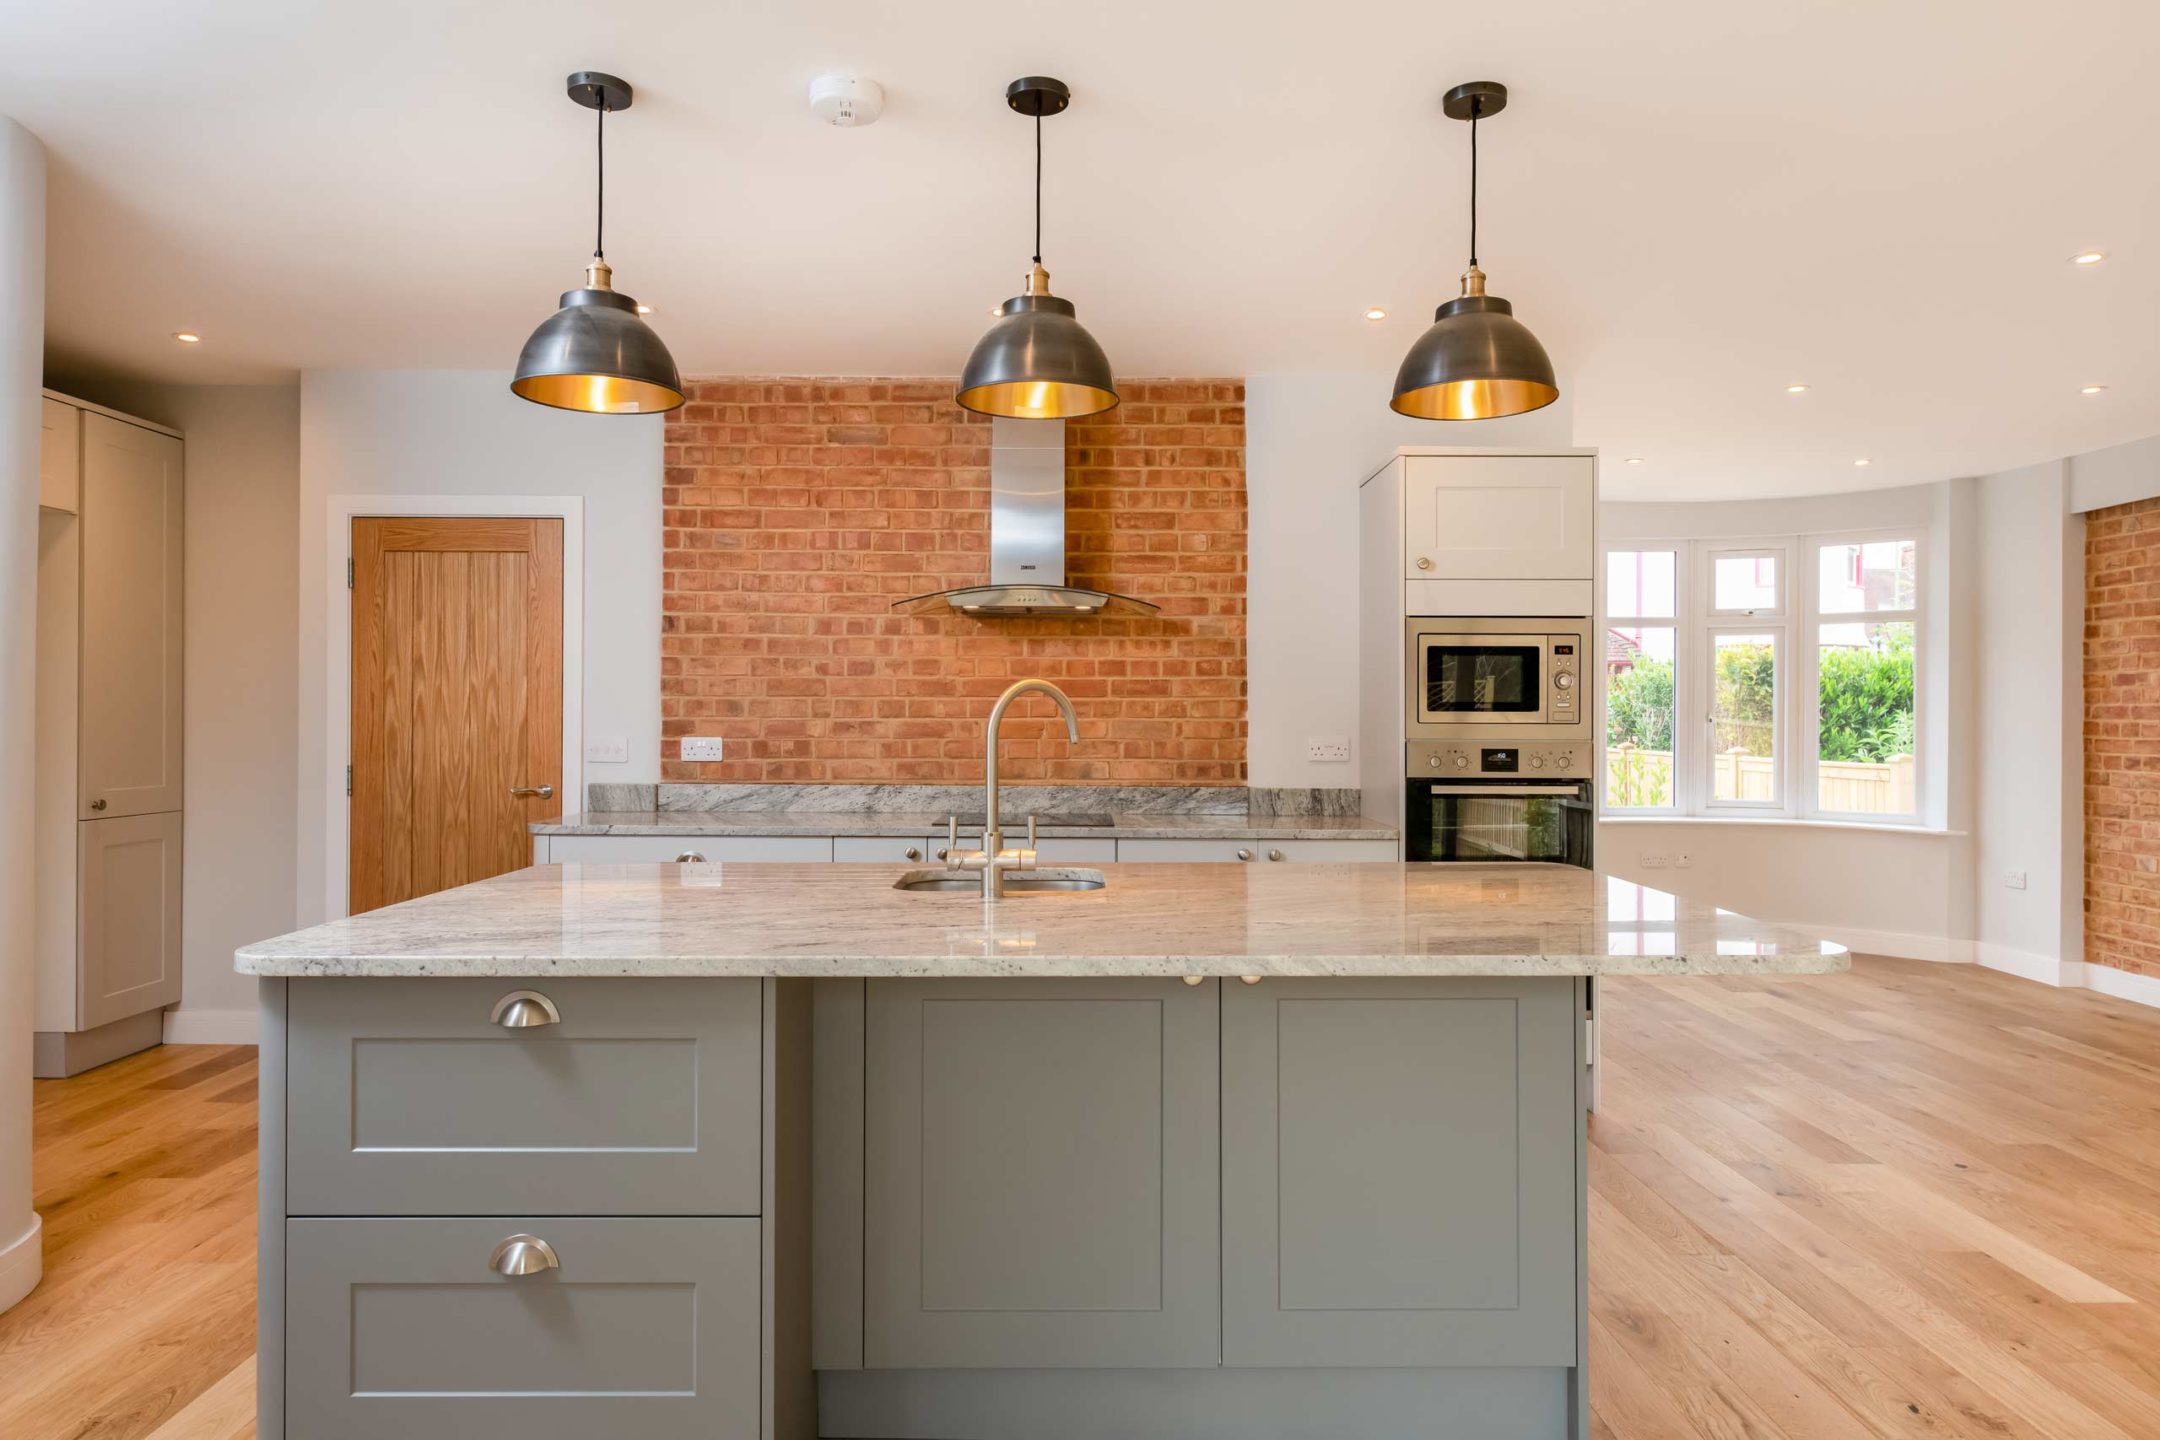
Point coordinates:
[[348, 572], [348, 780]]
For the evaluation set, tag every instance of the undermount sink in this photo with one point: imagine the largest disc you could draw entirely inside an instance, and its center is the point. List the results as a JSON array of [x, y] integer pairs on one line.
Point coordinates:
[[1017, 882]]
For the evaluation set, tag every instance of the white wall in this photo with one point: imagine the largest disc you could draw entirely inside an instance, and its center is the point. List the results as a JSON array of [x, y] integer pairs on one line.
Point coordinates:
[[444, 432], [2029, 820], [2115, 476], [1899, 892], [1309, 440], [22, 361]]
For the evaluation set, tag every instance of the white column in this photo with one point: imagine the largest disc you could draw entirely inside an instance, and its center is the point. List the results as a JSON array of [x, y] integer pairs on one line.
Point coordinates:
[[22, 365]]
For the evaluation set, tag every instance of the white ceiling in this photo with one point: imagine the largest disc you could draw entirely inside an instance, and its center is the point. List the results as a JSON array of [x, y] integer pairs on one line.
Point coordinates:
[[1693, 202]]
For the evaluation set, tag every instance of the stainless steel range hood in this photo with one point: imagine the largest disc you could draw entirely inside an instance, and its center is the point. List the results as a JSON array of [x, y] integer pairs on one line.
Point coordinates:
[[1027, 535]]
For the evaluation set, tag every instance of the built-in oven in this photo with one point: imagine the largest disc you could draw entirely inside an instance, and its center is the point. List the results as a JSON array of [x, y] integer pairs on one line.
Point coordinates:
[[1498, 678], [1492, 802]]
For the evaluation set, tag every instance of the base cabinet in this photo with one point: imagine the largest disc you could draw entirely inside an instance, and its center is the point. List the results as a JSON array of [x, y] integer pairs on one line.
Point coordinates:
[[398, 1329], [1399, 1181], [1040, 1174]]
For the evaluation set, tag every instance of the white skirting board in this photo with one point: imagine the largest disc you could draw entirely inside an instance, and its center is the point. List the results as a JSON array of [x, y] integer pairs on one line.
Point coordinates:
[[22, 1263], [209, 1027], [2070, 974]]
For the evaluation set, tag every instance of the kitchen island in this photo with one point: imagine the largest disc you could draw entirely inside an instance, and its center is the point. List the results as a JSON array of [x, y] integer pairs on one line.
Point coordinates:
[[735, 1150]]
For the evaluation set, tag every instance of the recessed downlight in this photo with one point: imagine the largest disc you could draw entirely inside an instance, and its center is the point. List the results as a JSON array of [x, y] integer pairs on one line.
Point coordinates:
[[187, 337], [1634, 459], [2088, 257], [1374, 312], [1863, 460], [2092, 389], [1798, 387]]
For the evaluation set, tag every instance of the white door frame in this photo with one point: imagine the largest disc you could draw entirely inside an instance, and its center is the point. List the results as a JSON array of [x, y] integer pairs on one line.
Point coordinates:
[[337, 687]]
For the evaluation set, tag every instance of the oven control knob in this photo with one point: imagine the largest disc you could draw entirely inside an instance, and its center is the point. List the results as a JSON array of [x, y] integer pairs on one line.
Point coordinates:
[[1462, 762], [1537, 762], [1434, 762], [1563, 681]]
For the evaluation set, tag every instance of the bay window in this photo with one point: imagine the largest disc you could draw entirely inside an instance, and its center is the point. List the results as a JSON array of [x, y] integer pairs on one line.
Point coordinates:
[[1773, 678]]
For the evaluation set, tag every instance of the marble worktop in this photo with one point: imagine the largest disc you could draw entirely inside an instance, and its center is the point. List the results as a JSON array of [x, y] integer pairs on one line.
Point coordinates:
[[1172, 919], [1125, 825]]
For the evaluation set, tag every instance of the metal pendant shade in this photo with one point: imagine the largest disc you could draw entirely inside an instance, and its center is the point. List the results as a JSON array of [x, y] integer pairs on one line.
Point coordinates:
[[596, 354], [1038, 362], [1477, 361]]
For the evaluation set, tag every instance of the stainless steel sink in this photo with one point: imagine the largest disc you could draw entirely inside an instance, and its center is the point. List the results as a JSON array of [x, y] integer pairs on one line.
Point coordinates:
[[1017, 882]]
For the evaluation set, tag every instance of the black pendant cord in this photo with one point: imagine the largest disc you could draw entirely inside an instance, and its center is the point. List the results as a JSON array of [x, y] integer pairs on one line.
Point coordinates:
[[1475, 106], [1038, 185], [599, 249]]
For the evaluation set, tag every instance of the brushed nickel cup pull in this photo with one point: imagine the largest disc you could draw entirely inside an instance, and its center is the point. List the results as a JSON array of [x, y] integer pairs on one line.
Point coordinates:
[[98, 804], [914, 852], [523, 1255], [533, 792], [525, 1010], [690, 857]]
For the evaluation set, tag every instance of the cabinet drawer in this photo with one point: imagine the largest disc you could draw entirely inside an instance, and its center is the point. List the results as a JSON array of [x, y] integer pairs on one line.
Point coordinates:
[[1255, 851], [405, 1098], [645, 849], [400, 1329], [883, 849]]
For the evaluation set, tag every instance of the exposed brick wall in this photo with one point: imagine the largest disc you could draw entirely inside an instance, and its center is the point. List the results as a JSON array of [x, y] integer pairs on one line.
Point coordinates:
[[797, 511], [2122, 737]]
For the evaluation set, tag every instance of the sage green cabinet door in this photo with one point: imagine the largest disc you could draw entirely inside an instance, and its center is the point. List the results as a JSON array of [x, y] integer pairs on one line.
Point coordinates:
[[1399, 1172], [638, 1097], [1040, 1174], [398, 1329]]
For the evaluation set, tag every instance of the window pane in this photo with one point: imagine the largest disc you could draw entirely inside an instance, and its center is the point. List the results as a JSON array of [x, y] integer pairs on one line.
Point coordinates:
[[1875, 575], [1639, 716], [1866, 738], [1746, 582], [1640, 583], [1743, 709]]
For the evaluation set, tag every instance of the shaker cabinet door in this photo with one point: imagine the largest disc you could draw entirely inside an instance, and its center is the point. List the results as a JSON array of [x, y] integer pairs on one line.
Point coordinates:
[[129, 894], [131, 636], [1499, 517], [1399, 1172], [1040, 1174]]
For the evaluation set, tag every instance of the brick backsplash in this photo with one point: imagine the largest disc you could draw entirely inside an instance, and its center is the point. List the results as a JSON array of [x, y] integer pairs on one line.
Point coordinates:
[[798, 510], [2122, 737]]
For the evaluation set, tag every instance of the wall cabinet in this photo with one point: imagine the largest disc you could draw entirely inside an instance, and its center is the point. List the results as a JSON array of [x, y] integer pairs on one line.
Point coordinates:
[[1040, 1176], [108, 793], [1498, 517], [1399, 1172]]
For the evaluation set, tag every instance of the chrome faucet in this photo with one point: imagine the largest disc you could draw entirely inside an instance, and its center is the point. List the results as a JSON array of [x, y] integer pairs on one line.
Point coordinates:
[[994, 859]]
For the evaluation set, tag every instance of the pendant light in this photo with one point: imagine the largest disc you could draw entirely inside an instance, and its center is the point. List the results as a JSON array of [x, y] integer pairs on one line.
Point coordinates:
[[1477, 362], [596, 354], [1037, 362]]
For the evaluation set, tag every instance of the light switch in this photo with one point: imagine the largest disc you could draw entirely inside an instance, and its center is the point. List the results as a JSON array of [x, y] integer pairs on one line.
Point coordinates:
[[701, 747], [608, 750]]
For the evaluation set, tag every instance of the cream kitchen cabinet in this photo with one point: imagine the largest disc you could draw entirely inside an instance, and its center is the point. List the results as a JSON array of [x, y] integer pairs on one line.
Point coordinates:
[[108, 795], [1498, 517]]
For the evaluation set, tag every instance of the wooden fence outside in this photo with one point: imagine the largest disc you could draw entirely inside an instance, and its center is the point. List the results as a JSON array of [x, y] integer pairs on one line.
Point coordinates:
[[1637, 777]]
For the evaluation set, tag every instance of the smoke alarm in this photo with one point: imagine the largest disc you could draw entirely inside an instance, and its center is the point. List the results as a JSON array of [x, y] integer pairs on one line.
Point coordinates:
[[846, 100]]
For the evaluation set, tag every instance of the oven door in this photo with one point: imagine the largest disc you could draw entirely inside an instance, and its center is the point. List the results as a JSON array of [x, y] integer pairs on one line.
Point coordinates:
[[1482, 679], [1545, 822]]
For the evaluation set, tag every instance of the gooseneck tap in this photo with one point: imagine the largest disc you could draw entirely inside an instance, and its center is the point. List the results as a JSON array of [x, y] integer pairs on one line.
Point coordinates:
[[994, 859]]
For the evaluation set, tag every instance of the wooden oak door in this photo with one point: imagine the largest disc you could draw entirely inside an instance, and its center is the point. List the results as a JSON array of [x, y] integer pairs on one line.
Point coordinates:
[[457, 700]]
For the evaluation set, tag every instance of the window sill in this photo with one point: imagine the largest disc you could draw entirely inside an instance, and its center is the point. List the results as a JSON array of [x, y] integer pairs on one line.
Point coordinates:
[[1872, 826]]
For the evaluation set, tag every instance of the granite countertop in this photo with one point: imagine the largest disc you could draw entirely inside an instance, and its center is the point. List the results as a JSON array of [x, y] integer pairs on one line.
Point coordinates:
[[848, 920], [1125, 825]]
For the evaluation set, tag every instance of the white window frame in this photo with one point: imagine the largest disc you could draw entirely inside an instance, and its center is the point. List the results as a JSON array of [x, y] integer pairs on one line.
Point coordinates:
[[1814, 619], [1677, 622], [1795, 623]]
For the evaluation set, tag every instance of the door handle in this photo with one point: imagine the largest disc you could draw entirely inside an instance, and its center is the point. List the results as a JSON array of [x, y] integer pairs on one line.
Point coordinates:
[[98, 804], [528, 792], [524, 1010], [1510, 792], [523, 1255]]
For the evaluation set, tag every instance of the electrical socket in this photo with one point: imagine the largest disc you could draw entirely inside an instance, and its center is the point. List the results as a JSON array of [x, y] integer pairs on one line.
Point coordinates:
[[608, 750], [2014, 880], [1328, 749], [1653, 860], [701, 747]]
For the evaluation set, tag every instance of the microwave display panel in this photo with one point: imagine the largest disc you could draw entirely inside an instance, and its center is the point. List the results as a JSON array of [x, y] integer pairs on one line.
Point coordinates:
[[1482, 679]]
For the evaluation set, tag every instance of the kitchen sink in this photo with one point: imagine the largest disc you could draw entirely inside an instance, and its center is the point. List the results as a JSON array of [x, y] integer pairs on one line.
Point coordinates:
[[1072, 820], [1017, 882]]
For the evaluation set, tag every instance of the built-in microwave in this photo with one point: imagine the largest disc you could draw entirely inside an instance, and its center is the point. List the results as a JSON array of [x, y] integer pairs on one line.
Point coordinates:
[[1513, 677]]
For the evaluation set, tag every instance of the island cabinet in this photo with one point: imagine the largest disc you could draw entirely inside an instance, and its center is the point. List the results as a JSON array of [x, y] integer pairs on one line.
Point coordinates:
[[1040, 1174]]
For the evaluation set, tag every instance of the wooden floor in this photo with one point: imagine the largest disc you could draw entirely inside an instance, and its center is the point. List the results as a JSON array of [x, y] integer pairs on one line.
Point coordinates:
[[1915, 1201]]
